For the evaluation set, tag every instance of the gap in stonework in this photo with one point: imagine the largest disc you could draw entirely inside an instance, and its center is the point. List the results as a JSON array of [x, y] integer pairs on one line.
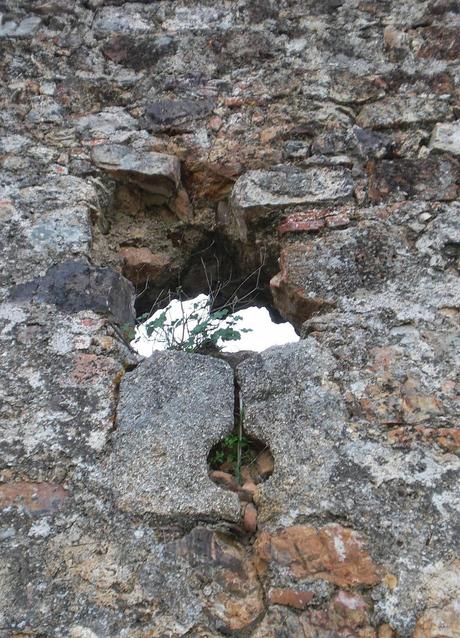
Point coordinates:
[[214, 295]]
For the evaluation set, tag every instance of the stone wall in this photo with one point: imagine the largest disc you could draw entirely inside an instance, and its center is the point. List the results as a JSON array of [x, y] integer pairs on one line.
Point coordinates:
[[318, 141]]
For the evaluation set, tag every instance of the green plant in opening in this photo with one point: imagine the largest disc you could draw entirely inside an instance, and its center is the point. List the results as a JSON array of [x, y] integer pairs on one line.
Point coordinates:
[[228, 451], [196, 329], [128, 331]]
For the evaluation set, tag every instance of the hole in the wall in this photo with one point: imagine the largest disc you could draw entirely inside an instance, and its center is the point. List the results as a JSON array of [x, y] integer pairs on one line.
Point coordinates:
[[192, 326], [215, 285], [236, 279], [256, 466], [239, 462], [170, 255]]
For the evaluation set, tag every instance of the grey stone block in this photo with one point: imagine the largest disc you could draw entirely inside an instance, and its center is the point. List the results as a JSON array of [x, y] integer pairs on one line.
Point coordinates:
[[156, 173], [173, 408]]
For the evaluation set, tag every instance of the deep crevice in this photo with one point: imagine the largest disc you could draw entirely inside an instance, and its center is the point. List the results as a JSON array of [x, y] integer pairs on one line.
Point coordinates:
[[240, 462], [217, 267], [170, 255]]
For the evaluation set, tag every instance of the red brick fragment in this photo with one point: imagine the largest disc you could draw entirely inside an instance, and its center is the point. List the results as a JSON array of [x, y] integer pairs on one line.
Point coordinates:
[[306, 221]]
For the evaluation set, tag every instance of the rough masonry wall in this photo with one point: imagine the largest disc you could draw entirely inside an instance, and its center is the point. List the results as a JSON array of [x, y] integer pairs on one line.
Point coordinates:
[[323, 135]]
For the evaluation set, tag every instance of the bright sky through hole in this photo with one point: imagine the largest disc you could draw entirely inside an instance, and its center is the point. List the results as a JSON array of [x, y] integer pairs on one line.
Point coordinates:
[[264, 333]]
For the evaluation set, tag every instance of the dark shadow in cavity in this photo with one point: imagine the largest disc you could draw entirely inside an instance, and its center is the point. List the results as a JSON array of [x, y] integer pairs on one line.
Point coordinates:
[[235, 279], [257, 462]]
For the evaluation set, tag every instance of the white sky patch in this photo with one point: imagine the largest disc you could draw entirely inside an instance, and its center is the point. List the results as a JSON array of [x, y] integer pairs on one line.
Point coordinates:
[[263, 332]]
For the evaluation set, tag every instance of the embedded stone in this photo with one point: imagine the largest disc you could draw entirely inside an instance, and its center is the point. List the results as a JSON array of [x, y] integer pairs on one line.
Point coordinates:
[[225, 479], [137, 51], [214, 557], [332, 553], [141, 265], [437, 623], [109, 122], [282, 622], [265, 463], [168, 112], [76, 285], [250, 518], [287, 186], [78, 366], [291, 300], [428, 179], [291, 598], [45, 110], [248, 491], [130, 19], [314, 274], [439, 42], [156, 173], [392, 112], [385, 631], [446, 138], [366, 143], [308, 221], [349, 610], [25, 29], [37, 499], [173, 408]]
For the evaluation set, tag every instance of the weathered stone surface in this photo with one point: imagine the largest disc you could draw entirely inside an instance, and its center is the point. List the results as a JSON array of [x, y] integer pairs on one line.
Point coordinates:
[[377, 253], [45, 110], [112, 122], [439, 42], [332, 553], [287, 186], [240, 608], [171, 112], [398, 111], [338, 620], [172, 409], [446, 138], [333, 459], [76, 285], [156, 173], [216, 578], [137, 51], [362, 417], [58, 394], [42, 224], [312, 273], [365, 143], [26, 28], [140, 265], [292, 301], [428, 179], [291, 598], [443, 622], [130, 19]]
